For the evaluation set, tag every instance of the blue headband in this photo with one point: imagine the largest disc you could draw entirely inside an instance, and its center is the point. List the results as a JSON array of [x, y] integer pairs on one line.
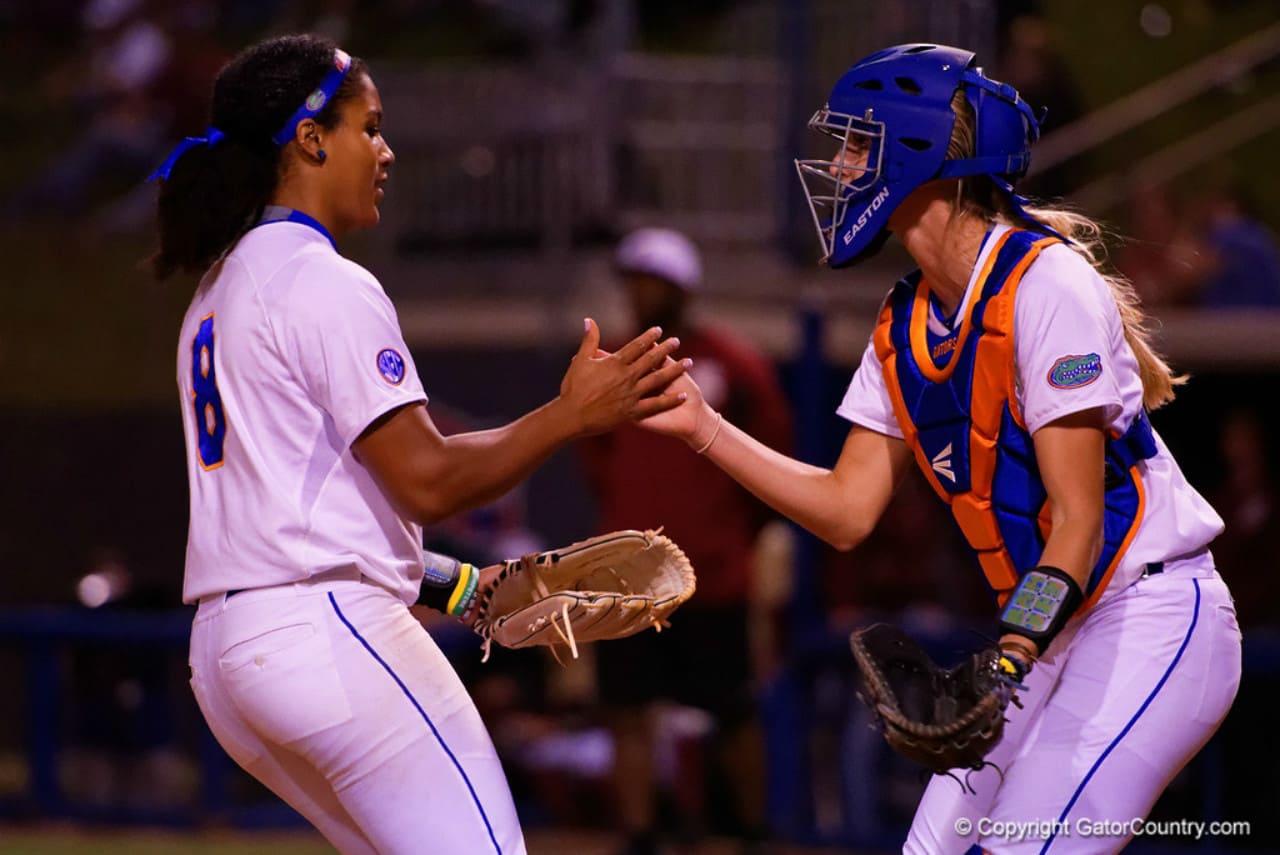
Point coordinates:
[[212, 136], [316, 100], [314, 104]]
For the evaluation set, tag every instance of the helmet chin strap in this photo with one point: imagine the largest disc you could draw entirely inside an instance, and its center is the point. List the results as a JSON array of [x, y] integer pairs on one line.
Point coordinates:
[[1020, 203], [972, 166]]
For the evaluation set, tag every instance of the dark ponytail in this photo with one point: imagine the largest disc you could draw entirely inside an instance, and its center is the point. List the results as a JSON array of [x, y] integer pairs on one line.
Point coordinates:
[[215, 193]]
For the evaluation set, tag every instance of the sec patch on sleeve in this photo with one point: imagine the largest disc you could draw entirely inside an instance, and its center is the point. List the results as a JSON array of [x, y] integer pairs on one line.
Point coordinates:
[[391, 366], [1072, 372]]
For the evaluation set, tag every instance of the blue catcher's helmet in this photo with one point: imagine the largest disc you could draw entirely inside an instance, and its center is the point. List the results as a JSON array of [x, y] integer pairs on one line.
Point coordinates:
[[896, 105]]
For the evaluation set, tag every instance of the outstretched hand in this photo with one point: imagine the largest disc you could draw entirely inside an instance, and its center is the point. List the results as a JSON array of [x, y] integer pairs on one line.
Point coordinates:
[[692, 421], [604, 389]]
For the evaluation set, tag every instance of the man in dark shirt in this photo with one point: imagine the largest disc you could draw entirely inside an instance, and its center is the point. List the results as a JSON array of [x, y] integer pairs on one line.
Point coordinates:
[[644, 480]]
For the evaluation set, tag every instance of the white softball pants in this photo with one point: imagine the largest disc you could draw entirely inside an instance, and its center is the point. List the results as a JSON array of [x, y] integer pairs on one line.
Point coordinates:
[[334, 696], [1111, 713]]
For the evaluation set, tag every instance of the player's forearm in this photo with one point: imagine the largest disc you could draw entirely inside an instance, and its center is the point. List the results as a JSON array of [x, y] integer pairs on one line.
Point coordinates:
[[479, 466], [809, 495], [1074, 544], [1070, 453], [1072, 547]]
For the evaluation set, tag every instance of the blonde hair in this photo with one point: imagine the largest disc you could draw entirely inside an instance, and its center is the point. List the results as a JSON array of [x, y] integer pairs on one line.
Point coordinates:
[[981, 196]]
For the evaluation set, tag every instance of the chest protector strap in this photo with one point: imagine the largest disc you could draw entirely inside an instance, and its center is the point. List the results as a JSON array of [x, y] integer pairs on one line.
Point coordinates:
[[959, 416]]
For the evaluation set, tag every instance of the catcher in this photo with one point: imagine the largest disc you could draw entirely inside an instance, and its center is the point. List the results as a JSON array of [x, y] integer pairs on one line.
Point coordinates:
[[609, 586], [1015, 373]]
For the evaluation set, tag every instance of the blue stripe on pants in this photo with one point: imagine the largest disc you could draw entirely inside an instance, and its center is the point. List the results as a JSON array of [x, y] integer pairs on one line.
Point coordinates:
[[425, 718], [1195, 615]]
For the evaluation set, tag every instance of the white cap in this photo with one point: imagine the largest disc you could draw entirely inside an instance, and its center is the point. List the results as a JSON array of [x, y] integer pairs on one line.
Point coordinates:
[[663, 253]]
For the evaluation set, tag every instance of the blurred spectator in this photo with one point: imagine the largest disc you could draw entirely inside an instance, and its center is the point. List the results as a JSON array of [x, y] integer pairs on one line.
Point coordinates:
[[1239, 263], [181, 92], [123, 752], [1158, 254], [1245, 552], [1032, 64], [332, 18], [510, 689], [643, 480], [111, 84], [916, 571], [575, 31], [895, 574], [179, 95], [490, 533]]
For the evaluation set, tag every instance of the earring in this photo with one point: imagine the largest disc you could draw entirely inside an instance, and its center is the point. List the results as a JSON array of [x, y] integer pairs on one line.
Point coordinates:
[[320, 155]]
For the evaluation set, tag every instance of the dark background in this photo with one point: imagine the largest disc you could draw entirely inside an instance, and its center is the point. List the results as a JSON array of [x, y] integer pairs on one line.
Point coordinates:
[[92, 471]]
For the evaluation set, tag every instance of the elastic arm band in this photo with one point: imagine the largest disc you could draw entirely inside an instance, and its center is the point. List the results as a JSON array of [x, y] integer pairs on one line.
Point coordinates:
[[715, 432]]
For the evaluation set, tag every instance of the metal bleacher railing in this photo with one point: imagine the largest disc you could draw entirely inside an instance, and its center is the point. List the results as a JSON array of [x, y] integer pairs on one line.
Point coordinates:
[[1161, 96], [543, 155]]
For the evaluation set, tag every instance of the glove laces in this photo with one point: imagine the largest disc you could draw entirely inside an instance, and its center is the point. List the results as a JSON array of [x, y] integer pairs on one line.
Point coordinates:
[[565, 634]]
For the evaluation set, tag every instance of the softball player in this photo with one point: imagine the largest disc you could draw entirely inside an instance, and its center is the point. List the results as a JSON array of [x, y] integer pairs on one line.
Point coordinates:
[[313, 462], [1017, 377]]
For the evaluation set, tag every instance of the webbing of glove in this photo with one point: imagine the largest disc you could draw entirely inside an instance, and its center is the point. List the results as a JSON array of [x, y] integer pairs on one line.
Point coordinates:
[[941, 719], [609, 586], [486, 618]]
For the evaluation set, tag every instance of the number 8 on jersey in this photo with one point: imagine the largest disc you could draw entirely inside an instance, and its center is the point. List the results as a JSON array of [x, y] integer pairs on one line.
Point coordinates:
[[211, 422]]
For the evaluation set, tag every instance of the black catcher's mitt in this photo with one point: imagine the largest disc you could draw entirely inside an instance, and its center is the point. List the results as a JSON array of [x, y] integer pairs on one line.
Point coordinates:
[[941, 719]]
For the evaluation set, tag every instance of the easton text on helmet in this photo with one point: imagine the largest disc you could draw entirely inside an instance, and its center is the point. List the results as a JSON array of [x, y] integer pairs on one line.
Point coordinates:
[[871, 208]]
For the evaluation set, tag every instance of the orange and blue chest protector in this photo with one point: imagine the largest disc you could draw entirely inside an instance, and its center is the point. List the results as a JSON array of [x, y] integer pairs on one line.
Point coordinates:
[[955, 400]]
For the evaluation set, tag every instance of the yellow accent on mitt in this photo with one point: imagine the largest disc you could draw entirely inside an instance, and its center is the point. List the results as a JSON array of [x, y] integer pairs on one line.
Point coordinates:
[[609, 586]]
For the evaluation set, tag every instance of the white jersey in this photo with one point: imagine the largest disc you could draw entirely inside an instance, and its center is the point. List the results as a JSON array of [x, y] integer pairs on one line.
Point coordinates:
[[1064, 310], [288, 352]]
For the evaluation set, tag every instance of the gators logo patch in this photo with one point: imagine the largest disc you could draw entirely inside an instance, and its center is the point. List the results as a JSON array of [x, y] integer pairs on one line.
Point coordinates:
[[1072, 372]]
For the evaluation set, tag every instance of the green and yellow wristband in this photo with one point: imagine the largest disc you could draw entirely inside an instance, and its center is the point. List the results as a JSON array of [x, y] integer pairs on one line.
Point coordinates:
[[448, 585]]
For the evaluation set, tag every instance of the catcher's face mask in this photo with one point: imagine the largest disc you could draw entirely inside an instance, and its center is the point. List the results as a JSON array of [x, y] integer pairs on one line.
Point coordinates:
[[897, 105], [850, 180]]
